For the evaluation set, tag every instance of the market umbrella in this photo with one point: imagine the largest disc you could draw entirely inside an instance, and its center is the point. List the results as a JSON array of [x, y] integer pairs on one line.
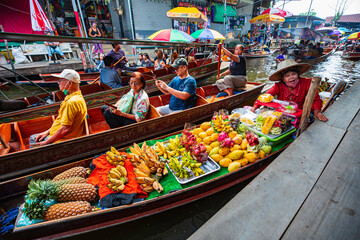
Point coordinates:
[[344, 29], [277, 11], [206, 34], [186, 14], [354, 36], [335, 33], [171, 35], [267, 18]]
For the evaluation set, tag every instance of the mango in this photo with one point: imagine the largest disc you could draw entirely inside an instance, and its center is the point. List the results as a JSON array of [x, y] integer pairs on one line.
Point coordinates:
[[207, 140], [210, 131], [198, 140], [238, 139], [203, 135], [224, 151], [196, 131], [251, 157], [232, 134], [216, 157], [214, 136], [205, 126], [235, 147], [214, 144], [244, 144], [214, 151], [225, 162], [208, 148], [234, 166], [261, 154], [236, 155], [243, 161]]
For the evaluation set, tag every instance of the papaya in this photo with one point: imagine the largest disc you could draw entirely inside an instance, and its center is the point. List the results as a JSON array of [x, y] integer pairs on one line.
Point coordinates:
[[225, 162]]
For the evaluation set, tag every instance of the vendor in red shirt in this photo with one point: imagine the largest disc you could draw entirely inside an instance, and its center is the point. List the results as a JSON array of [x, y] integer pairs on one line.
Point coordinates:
[[292, 87]]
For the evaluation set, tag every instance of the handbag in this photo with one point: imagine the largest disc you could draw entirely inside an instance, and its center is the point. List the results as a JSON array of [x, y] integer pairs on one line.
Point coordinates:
[[125, 103]]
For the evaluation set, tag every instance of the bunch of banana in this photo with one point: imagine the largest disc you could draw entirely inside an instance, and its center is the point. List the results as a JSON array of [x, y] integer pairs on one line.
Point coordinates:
[[188, 161], [117, 178], [220, 125], [161, 150], [114, 157], [174, 147], [178, 168], [147, 166]]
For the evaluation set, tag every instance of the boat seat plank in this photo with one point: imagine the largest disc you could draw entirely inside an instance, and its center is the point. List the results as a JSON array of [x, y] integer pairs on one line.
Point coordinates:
[[104, 87], [91, 88], [5, 132], [200, 100], [165, 99], [160, 72], [156, 101], [96, 121], [210, 90], [152, 113], [200, 91], [19, 136], [28, 128]]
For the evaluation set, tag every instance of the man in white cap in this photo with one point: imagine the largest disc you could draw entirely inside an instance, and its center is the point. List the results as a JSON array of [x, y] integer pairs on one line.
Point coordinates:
[[72, 113]]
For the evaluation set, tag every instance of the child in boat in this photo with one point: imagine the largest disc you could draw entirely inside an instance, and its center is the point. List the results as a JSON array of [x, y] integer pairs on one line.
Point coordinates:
[[70, 123], [182, 89], [292, 87], [140, 105], [236, 74]]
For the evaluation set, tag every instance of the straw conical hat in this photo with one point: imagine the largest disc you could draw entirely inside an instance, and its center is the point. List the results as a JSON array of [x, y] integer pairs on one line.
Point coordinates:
[[287, 65]]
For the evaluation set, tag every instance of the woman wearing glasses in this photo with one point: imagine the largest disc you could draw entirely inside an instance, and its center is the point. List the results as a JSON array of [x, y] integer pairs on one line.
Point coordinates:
[[140, 104]]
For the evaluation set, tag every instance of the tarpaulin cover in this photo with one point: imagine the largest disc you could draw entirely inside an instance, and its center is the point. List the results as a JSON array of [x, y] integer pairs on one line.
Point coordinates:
[[307, 33], [219, 12], [99, 177], [15, 16]]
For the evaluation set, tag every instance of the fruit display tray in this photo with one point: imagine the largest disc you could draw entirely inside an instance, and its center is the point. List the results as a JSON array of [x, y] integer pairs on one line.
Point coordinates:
[[208, 167], [274, 139]]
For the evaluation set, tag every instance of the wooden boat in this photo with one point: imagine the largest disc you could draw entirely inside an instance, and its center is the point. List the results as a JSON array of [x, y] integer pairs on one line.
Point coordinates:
[[12, 195], [95, 94], [351, 55], [318, 59], [98, 137]]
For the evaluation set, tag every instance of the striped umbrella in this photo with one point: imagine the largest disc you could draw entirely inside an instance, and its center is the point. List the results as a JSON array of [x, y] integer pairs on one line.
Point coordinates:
[[207, 34], [354, 36], [171, 35]]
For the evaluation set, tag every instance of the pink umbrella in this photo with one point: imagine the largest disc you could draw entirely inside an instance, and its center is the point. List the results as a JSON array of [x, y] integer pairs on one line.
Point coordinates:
[[39, 20], [277, 11]]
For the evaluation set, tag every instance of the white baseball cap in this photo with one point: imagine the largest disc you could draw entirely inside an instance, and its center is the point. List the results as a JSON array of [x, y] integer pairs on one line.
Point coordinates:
[[68, 74]]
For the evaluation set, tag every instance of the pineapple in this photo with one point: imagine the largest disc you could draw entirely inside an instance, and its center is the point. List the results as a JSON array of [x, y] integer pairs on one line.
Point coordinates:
[[71, 180], [46, 189], [72, 172], [62, 210]]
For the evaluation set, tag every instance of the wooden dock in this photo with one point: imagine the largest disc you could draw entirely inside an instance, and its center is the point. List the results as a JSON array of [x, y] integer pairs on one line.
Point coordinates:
[[311, 191]]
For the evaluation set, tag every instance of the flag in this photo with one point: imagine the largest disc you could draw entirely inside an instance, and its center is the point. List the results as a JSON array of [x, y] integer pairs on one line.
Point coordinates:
[[39, 21]]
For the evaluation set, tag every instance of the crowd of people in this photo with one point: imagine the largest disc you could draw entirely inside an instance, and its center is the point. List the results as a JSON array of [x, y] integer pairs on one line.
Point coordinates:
[[304, 49]]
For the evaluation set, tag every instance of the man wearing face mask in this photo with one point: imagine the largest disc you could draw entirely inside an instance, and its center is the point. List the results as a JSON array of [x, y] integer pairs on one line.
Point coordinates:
[[70, 123]]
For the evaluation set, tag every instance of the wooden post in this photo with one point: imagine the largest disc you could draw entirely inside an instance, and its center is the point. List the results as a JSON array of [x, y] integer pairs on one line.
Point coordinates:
[[219, 58], [308, 104]]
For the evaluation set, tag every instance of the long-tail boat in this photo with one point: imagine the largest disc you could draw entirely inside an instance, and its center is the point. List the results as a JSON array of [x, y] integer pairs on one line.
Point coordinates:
[[98, 137], [318, 59], [95, 94], [12, 195], [351, 55]]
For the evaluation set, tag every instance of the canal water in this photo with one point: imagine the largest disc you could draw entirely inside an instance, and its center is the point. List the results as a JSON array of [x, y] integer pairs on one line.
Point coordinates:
[[182, 222]]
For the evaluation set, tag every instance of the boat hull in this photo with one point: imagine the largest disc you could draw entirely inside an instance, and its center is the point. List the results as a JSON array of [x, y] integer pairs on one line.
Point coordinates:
[[119, 215], [351, 56], [32, 160], [318, 59]]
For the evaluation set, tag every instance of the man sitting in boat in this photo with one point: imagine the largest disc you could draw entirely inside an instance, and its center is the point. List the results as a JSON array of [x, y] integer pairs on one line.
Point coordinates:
[[120, 60], [182, 89], [236, 74], [108, 76], [137, 110], [292, 87], [72, 113]]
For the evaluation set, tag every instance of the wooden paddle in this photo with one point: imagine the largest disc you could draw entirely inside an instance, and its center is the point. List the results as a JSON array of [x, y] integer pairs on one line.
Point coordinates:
[[308, 104], [97, 79], [219, 58]]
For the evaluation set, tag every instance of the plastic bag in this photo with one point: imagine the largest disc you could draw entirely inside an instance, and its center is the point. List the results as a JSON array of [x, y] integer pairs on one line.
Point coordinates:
[[19, 55], [125, 103]]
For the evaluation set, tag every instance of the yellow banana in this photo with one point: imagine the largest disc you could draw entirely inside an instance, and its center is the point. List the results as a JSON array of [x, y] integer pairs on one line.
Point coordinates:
[[113, 150], [122, 170]]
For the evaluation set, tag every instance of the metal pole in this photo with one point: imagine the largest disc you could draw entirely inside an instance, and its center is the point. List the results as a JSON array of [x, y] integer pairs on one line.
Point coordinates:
[[4, 95], [308, 13], [225, 23], [131, 21], [8, 52]]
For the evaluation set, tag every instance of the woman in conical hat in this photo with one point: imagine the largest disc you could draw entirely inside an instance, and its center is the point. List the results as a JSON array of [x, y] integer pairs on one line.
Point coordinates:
[[291, 86]]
